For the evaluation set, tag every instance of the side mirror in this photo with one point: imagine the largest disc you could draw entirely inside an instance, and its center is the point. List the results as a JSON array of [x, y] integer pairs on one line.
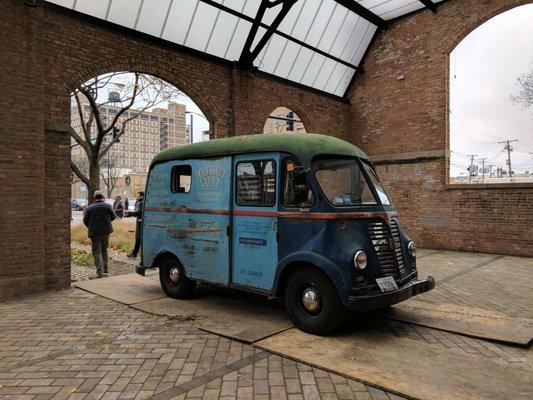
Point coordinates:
[[301, 190]]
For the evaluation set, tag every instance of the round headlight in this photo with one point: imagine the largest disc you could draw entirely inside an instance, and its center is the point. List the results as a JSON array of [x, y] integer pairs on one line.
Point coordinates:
[[359, 260], [412, 249]]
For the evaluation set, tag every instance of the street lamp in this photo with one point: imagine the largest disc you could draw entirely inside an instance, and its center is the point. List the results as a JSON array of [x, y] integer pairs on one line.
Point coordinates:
[[192, 113]]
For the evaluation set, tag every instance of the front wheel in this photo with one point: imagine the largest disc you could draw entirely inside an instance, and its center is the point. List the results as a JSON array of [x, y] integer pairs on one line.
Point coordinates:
[[312, 302], [173, 280]]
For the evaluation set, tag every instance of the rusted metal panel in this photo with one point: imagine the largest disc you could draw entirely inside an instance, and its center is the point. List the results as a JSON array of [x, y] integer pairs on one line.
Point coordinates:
[[192, 225]]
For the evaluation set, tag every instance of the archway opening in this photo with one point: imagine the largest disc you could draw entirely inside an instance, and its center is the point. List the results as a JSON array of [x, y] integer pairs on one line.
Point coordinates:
[[491, 96], [284, 120], [119, 122]]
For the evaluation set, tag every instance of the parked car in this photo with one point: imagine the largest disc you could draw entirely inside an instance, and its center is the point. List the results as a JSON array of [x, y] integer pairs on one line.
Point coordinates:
[[303, 217], [78, 204]]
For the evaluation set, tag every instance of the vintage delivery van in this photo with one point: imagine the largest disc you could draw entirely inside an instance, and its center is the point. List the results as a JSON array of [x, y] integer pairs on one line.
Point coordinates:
[[299, 216]]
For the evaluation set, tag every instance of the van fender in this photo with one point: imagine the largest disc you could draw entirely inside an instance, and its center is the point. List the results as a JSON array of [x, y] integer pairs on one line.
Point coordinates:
[[319, 261]]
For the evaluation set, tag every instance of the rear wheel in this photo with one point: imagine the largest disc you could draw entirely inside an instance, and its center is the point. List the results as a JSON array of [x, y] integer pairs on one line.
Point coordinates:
[[173, 280], [312, 302]]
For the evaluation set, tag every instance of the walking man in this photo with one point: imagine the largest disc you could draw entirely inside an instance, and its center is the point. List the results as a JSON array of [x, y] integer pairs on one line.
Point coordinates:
[[137, 212], [97, 218], [119, 207]]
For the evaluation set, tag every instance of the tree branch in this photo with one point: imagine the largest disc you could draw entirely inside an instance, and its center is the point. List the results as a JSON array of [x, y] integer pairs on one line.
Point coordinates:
[[78, 173]]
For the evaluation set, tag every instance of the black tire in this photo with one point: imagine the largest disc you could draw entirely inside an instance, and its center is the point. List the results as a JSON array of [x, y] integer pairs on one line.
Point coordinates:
[[180, 288], [329, 313]]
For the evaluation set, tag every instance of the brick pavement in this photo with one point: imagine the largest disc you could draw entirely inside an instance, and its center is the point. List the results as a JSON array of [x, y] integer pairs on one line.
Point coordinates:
[[73, 344], [76, 345]]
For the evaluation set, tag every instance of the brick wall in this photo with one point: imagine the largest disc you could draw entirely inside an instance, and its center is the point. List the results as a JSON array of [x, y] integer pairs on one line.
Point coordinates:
[[403, 124], [43, 56]]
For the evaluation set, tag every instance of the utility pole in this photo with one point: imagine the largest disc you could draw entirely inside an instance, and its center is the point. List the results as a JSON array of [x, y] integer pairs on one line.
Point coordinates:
[[471, 168], [509, 149], [483, 168], [490, 170]]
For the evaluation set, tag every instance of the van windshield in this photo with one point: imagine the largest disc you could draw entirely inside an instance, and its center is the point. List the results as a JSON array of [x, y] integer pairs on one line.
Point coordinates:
[[344, 184]]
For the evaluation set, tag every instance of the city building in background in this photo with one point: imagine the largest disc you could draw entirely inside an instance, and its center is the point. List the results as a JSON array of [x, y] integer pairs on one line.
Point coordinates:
[[145, 136]]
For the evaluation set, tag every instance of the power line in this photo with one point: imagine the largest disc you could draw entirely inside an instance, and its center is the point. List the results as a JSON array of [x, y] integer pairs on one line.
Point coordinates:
[[473, 127]]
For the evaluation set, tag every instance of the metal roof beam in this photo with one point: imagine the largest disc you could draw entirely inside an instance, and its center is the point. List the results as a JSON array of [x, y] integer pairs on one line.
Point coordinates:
[[429, 4], [285, 8], [363, 12], [244, 59], [282, 34]]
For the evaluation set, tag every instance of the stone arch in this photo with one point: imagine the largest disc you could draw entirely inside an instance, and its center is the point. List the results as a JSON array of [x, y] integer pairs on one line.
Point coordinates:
[[464, 30], [171, 75]]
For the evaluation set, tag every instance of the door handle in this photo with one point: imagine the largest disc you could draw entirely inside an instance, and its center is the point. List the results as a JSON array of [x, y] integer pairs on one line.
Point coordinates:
[[275, 226]]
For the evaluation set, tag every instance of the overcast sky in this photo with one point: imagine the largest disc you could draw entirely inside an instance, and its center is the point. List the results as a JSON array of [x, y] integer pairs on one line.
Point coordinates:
[[483, 72]]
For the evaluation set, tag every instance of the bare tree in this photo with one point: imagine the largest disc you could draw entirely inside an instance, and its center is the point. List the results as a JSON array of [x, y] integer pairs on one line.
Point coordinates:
[[110, 173], [138, 93], [525, 96]]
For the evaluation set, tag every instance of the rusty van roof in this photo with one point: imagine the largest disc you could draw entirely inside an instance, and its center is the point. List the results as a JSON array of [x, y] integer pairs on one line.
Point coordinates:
[[305, 146]]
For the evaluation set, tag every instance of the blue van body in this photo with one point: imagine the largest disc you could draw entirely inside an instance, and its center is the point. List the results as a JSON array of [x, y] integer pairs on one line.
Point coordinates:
[[220, 240]]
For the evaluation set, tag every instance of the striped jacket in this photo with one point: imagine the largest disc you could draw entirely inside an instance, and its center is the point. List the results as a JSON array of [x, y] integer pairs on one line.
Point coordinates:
[[97, 218]]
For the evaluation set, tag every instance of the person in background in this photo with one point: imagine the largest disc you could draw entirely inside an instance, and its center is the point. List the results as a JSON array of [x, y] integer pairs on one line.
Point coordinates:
[[126, 204], [137, 212], [118, 207], [97, 218]]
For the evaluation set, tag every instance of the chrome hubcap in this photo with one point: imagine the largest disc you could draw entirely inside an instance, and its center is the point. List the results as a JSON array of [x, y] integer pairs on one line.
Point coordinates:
[[310, 300], [174, 275]]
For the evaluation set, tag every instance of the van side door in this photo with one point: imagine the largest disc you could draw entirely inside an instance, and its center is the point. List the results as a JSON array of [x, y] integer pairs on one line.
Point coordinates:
[[255, 221]]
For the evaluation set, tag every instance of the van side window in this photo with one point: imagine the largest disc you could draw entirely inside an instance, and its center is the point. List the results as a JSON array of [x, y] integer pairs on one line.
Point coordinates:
[[181, 179], [256, 183], [289, 187]]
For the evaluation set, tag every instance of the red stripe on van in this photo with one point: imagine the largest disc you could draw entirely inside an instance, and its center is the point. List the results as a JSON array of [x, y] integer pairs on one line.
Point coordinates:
[[280, 214], [188, 210]]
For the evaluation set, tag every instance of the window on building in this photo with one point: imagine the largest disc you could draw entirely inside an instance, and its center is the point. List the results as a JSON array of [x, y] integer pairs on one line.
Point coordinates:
[[256, 183], [181, 179]]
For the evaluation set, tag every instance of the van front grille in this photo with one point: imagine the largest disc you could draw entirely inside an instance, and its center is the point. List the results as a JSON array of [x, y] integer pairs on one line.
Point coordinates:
[[379, 234], [395, 232]]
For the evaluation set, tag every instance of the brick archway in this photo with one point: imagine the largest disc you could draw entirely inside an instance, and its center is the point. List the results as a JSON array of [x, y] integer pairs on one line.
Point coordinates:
[[175, 77], [475, 20]]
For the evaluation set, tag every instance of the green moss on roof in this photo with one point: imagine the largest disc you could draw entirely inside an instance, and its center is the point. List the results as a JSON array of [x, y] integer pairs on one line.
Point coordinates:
[[305, 146]]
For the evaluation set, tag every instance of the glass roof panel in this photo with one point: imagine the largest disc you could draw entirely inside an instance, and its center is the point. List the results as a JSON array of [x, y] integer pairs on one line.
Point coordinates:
[[346, 34], [388, 9], [124, 12], [234, 49], [300, 64], [201, 27], [96, 8], [322, 24], [363, 44], [336, 24], [324, 74], [312, 69], [152, 20], [222, 34], [272, 54], [178, 21], [64, 3], [306, 19]]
